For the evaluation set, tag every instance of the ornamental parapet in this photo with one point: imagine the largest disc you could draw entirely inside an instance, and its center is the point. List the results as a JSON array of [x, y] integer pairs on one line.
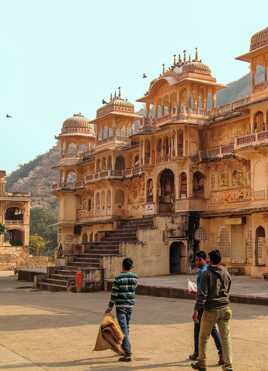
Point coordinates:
[[253, 139]]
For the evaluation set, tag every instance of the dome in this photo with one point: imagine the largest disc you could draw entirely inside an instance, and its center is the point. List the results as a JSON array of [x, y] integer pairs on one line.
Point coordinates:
[[259, 39], [196, 67], [77, 124]]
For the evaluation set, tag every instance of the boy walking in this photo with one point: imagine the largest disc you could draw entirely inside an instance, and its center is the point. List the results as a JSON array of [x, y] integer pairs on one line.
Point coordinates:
[[123, 297], [201, 264], [213, 297]]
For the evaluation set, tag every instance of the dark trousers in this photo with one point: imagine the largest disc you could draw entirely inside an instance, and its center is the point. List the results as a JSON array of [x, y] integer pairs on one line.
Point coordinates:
[[123, 316], [214, 333]]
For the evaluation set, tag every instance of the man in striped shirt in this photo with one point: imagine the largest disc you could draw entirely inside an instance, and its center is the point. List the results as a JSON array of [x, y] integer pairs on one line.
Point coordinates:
[[123, 297]]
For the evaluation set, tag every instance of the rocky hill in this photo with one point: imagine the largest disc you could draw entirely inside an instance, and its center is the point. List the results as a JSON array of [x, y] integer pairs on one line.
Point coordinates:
[[37, 175]]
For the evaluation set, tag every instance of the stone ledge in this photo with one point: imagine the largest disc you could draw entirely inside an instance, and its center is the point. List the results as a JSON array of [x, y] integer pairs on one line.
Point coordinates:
[[171, 292]]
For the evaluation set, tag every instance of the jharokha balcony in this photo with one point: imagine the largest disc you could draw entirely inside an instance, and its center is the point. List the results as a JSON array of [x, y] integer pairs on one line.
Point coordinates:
[[185, 116], [249, 140]]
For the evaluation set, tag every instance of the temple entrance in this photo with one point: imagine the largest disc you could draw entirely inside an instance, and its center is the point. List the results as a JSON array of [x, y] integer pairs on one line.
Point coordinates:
[[166, 192], [176, 257]]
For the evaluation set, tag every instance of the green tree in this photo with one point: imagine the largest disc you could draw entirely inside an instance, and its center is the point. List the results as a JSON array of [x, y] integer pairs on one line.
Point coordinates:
[[37, 244], [43, 223]]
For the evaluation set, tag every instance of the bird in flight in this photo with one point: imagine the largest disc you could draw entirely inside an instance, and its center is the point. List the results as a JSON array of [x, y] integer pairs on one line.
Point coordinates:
[[144, 76], [8, 116]]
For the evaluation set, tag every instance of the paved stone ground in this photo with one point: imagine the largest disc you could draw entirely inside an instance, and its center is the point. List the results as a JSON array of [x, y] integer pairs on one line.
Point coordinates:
[[57, 331], [241, 285]]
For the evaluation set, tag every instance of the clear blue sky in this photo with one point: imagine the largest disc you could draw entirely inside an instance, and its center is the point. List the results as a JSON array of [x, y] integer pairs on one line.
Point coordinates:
[[59, 57]]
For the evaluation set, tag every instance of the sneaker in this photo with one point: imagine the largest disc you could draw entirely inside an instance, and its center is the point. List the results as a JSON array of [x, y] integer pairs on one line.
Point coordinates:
[[221, 360], [193, 357], [125, 358], [196, 366]]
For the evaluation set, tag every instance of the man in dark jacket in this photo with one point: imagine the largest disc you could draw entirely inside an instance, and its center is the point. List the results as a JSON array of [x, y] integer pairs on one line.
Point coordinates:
[[123, 297], [201, 264], [213, 298]]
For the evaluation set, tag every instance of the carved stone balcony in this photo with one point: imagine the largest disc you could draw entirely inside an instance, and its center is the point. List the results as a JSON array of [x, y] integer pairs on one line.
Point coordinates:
[[251, 140], [217, 152]]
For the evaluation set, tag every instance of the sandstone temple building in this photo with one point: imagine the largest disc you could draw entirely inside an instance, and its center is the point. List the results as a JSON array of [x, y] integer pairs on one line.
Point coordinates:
[[184, 175], [15, 217]]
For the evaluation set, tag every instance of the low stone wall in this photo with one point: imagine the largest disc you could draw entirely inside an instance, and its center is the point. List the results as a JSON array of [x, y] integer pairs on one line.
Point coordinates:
[[151, 256], [32, 262], [11, 256]]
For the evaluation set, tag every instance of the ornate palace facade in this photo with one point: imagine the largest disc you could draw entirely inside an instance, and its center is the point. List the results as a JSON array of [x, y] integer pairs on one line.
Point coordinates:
[[15, 217], [196, 171]]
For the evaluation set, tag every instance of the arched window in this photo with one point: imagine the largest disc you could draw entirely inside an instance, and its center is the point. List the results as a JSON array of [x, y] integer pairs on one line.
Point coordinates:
[[103, 164], [84, 238], [97, 200], [109, 164], [103, 200], [149, 190], [71, 149], [105, 133], [119, 198], [180, 143], [98, 163], [89, 204], [82, 148], [198, 185], [14, 213], [260, 246], [147, 152], [109, 199], [71, 178], [110, 132], [183, 186], [258, 123], [159, 149], [119, 163]]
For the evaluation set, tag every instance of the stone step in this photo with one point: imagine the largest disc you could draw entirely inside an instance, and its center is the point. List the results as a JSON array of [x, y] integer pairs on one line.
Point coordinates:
[[51, 286], [86, 259], [57, 281], [68, 276], [84, 264], [101, 251]]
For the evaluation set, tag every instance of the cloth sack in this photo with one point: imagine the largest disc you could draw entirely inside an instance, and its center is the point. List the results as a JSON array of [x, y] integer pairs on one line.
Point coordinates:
[[110, 335]]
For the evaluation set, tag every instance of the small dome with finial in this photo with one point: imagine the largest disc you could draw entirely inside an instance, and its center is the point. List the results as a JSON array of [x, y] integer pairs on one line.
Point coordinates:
[[77, 124]]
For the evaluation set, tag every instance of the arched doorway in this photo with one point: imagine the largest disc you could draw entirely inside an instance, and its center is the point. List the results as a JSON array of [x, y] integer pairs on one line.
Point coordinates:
[[259, 246], [166, 192], [177, 258], [15, 237]]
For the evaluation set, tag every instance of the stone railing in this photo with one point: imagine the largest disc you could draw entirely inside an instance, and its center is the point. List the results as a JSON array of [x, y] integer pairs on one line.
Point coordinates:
[[187, 115], [217, 152], [18, 221], [228, 108], [253, 139], [106, 174], [67, 186], [96, 213], [114, 138]]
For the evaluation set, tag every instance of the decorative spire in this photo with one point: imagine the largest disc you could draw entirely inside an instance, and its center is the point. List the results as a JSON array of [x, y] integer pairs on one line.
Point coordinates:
[[174, 59], [179, 61], [189, 58], [184, 56], [119, 92], [163, 68], [115, 94], [196, 54]]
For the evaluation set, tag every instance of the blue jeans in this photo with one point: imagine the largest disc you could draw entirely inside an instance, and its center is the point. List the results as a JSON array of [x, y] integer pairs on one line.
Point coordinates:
[[214, 333], [123, 316]]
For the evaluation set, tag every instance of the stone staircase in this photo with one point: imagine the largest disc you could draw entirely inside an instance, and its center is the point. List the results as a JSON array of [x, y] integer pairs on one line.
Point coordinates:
[[89, 262]]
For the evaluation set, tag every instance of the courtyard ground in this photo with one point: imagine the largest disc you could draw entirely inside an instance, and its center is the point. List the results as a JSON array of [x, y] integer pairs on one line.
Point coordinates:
[[57, 331]]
